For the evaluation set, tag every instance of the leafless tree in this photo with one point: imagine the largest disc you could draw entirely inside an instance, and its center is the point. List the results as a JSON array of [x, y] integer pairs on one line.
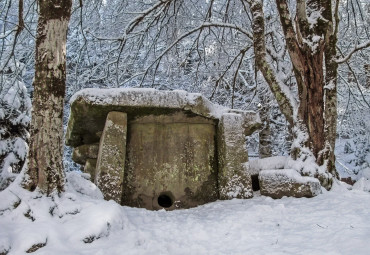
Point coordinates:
[[45, 168]]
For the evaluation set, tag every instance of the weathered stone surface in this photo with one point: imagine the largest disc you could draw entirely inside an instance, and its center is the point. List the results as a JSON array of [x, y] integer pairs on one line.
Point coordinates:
[[82, 153], [233, 178], [287, 182], [111, 158], [89, 107], [249, 121], [90, 167], [182, 150], [172, 155]]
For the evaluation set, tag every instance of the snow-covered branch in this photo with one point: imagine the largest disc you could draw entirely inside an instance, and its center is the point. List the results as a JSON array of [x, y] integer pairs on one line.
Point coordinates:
[[188, 33], [355, 49]]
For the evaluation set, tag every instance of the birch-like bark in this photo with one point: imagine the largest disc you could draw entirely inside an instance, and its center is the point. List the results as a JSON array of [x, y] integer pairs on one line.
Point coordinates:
[[331, 72], [285, 102], [45, 159], [264, 148]]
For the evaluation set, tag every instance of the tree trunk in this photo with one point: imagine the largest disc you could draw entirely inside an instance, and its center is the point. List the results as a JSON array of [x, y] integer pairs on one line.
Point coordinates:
[[311, 97], [311, 48], [264, 148], [45, 159], [330, 89]]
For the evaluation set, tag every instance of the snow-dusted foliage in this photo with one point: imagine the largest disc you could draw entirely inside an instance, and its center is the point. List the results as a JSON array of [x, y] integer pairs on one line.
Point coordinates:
[[353, 146], [197, 46], [15, 106], [16, 58]]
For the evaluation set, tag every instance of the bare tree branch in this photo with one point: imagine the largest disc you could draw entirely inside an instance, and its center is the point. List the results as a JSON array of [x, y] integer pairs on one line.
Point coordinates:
[[355, 49]]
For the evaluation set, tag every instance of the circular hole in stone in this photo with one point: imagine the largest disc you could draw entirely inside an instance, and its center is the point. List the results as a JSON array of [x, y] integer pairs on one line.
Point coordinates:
[[165, 200]]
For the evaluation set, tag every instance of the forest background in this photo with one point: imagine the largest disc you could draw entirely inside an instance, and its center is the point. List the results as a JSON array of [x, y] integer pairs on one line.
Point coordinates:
[[197, 46]]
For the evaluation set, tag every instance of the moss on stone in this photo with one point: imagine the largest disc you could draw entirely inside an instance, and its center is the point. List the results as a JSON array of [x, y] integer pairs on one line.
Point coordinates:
[[181, 150]]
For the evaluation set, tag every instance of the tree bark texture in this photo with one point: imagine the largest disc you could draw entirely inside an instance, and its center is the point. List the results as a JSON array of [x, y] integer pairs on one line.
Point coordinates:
[[312, 51], [45, 159], [264, 148], [263, 65]]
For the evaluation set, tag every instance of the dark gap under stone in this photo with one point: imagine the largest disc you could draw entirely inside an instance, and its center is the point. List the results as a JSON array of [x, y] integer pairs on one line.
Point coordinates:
[[255, 182]]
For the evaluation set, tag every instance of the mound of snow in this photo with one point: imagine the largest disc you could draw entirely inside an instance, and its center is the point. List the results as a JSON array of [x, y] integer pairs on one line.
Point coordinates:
[[362, 184], [80, 222]]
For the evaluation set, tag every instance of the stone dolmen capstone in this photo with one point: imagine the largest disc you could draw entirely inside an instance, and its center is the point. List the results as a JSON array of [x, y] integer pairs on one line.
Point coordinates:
[[161, 149]]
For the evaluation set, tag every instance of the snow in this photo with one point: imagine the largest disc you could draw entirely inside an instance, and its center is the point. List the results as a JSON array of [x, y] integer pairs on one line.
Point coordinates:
[[277, 162], [314, 17], [308, 167], [313, 42], [148, 97], [362, 184], [80, 222], [353, 155], [287, 175], [15, 109]]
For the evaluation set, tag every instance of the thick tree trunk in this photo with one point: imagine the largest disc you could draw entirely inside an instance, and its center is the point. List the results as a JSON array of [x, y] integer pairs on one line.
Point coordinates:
[[45, 166], [312, 51], [311, 48], [311, 97], [330, 88]]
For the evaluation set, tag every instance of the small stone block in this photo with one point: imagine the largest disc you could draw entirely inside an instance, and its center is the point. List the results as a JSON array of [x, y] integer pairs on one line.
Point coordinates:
[[83, 152], [287, 182], [233, 178]]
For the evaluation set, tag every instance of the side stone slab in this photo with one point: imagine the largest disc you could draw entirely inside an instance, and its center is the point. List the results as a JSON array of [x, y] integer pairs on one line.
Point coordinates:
[[233, 178], [111, 158]]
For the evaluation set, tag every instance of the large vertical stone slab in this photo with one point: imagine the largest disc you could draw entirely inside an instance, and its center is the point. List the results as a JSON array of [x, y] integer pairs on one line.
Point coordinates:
[[170, 158], [233, 179], [111, 157]]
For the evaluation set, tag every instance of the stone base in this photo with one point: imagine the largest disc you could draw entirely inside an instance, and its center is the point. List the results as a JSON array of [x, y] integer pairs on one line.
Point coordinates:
[[287, 182]]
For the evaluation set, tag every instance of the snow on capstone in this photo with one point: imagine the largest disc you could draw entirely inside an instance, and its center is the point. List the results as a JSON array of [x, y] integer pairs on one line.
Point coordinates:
[[178, 99]]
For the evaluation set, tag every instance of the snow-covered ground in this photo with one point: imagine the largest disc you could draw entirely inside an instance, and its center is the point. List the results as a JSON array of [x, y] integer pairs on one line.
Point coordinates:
[[80, 222]]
